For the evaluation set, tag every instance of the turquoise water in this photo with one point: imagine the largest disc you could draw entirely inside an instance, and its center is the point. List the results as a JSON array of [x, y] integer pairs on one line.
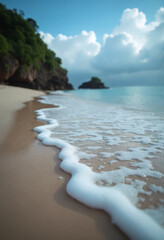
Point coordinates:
[[141, 98], [112, 143]]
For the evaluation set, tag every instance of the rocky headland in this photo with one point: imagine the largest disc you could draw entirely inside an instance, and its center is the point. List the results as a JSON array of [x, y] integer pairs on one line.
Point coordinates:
[[25, 59], [14, 74], [94, 83]]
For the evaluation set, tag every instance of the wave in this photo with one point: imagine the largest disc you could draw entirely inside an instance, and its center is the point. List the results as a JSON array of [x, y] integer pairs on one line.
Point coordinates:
[[109, 152]]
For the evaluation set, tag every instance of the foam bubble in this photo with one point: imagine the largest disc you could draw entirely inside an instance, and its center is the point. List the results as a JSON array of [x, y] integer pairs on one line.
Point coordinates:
[[76, 126], [156, 188]]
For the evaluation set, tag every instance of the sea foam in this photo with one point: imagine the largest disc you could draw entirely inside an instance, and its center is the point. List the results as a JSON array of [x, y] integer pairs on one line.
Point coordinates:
[[87, 134]]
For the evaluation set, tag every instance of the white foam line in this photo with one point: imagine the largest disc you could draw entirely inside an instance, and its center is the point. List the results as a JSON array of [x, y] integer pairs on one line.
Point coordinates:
[[134, 222]]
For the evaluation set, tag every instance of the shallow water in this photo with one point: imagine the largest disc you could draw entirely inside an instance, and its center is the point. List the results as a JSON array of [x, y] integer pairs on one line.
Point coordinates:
[[149, 99], [118, 139]]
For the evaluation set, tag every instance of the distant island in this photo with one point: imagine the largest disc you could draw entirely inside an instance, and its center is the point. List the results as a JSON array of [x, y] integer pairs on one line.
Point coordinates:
[[94, 83], [25, 59]]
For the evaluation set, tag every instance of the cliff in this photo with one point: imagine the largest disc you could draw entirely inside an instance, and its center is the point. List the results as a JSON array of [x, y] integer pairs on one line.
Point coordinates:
[[25, 59], [94, 83], [15, 74]]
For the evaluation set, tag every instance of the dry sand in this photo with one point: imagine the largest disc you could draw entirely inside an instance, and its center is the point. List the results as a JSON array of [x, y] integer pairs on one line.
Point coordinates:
[[33, 201]]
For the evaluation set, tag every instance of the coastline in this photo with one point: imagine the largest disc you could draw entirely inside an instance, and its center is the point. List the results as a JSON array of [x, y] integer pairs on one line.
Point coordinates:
[[11, 100], [74, 133], [34, 203]]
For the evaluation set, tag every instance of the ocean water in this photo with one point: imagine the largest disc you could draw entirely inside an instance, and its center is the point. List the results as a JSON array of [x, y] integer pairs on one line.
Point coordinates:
[[112, 143], [142, 98]]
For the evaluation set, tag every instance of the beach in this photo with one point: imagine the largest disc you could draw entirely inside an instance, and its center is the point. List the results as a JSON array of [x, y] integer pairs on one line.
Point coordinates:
[[34, 203], [113, 151]]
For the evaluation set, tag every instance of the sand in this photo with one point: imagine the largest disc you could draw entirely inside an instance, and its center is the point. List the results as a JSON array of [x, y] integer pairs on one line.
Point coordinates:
[[33, 200], [12, 99]]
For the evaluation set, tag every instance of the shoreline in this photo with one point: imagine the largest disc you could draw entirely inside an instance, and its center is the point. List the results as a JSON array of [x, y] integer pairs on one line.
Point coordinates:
[[12, 99], [82, 184], [34, 202]]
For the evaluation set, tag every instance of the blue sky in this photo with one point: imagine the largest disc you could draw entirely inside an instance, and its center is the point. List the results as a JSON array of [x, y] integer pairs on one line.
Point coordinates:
[[120, 41], [70, 17]]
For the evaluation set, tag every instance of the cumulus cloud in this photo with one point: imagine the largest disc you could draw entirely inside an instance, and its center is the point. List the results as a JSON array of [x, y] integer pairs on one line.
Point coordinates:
[[75, 51], [132, 54], [160, 15], [133, 22]]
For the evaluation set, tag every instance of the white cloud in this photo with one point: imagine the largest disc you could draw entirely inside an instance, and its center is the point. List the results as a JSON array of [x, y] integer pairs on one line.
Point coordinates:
[[133, 51], [153, 51], [160, 15], [47, 37], [75, 51], [133, 22], [111, 58]]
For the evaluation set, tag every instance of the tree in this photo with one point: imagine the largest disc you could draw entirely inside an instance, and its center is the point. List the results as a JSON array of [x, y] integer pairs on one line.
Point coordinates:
[[33, 23], [4, 46], [19, 38], [58, 60], [96, 79], [21, 13], [2, 6], [14, 10]]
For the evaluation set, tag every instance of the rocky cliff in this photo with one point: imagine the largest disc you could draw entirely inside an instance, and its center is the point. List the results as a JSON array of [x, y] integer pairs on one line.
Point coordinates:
[[94, 83], [15, 74], [25, 60]]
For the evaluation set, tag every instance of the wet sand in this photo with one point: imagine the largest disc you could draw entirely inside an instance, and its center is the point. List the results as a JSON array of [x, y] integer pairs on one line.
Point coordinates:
[[33, 200]]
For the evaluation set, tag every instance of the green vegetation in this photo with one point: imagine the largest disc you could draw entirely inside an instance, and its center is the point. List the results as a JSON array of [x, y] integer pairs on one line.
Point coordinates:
[[94, 83], [96, 80], [19, 38]]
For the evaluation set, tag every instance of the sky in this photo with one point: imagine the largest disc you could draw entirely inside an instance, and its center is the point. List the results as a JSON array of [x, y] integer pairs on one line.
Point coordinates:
[[120, 41]]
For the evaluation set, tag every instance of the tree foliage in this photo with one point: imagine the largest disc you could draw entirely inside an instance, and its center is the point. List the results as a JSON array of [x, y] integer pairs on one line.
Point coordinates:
[[19, 38], [33, 23], [96, 80], [4, 45]]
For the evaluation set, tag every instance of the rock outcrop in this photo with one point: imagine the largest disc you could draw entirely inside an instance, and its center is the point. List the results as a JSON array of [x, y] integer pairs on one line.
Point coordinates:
[[8, 66], [12, 73], [94, 83], [25, 59]]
